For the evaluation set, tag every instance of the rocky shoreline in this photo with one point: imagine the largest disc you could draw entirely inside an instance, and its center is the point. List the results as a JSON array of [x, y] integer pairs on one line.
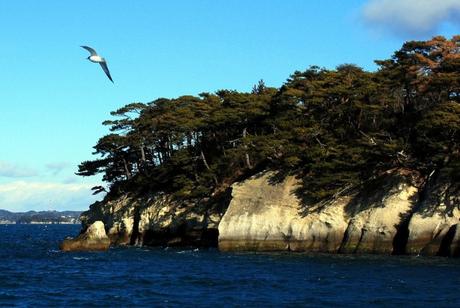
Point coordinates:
[[397, 213], [93, 239]]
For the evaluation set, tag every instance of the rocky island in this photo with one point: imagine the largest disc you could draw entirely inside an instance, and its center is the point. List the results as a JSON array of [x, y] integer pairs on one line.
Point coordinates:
[[336, 161]]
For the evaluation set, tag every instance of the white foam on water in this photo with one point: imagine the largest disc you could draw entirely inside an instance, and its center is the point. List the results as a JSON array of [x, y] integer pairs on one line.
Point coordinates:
[[80, 258]]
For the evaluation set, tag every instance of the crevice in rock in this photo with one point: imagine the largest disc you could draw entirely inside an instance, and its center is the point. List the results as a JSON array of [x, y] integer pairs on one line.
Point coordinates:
[[345, 238], [287, 237], [402, 235], [363, 231], [220, 202], [135, 232], [446, 242], [402, 230], [210, 237]]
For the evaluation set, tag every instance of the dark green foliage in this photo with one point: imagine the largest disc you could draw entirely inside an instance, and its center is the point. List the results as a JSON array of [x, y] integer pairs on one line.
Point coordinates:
[[333, 128]]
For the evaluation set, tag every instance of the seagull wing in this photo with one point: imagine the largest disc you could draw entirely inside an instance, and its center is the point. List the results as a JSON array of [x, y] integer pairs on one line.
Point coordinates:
[[92, 51], [106, 70]]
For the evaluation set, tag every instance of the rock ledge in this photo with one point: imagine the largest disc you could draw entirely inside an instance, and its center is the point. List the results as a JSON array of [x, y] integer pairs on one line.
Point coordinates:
[[93, 239]]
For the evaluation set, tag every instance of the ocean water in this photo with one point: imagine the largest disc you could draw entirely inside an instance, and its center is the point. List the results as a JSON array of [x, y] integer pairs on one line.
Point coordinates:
[[33, 272]]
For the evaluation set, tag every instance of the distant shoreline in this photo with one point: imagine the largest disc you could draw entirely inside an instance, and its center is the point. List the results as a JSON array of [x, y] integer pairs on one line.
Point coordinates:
[[39, 223], [41, 217]]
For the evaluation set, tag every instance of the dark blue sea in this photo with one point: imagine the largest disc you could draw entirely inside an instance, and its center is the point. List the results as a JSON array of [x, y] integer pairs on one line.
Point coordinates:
[[33, 272]]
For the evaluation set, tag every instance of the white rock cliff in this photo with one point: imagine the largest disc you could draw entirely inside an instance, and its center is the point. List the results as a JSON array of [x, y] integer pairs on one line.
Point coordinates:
[[397, 213]]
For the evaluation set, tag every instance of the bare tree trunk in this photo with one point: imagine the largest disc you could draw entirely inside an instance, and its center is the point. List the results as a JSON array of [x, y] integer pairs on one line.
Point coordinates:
[[204, 160], [160, 157], [246, 154], [127, 172], [142, 153], [170, 146], [207, 166]]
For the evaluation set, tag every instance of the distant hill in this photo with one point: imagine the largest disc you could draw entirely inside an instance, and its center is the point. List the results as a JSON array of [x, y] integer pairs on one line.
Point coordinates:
[[45, 217]]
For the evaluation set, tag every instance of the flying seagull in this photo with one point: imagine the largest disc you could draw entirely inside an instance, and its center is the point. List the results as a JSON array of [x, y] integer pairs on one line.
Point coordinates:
[[95, 58]]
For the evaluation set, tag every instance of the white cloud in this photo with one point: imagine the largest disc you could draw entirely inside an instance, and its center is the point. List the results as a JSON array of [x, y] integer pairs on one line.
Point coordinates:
[[57, 167], [411, 17], [24, 196], [11, 170]]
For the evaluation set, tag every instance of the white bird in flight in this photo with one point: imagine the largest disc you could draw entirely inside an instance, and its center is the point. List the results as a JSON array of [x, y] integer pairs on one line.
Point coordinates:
[[95, 58]]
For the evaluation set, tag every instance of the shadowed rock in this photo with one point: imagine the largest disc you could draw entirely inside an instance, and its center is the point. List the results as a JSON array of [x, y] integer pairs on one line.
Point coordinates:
[[158, 220], [94, 239], [268, 216], [378, 211], [395, 213], [432, 228]]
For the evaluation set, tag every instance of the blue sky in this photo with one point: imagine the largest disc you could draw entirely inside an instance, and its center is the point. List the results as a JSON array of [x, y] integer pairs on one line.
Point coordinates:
[[53, 100]]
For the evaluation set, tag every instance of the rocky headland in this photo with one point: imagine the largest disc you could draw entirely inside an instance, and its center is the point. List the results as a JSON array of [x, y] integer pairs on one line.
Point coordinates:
[[397, 213], [337, 160]]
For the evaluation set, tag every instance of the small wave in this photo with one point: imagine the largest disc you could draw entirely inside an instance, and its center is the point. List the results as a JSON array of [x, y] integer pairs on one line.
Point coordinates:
[[80, 258], [188, 251]]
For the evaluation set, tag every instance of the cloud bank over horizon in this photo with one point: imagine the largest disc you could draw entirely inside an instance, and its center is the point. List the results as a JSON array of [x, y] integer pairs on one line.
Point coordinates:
[[19, 196], [11, 170], [415, 18]]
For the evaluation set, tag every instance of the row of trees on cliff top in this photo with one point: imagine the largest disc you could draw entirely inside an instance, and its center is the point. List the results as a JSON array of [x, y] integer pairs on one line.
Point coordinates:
[[333, 128]]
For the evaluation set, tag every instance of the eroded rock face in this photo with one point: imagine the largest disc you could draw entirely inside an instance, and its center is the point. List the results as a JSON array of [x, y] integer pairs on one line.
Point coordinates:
[[266, 216], [433, 227], [93, 239], [397, 213], [378, 211], [156, 221]]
